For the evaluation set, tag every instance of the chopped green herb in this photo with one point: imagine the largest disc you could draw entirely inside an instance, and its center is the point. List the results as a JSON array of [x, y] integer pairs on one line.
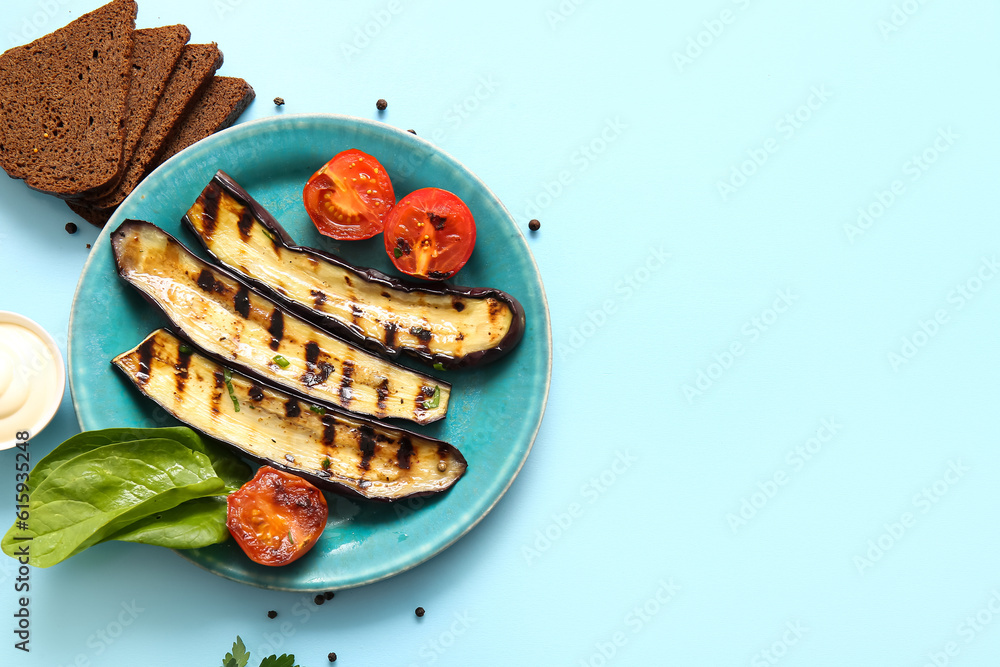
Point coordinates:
[[434, 400], [268, 233], [227, 375], [397, 253], [439, 366], [185, 349], [291, 538], [318, 409], [281, 361], [326, 463]]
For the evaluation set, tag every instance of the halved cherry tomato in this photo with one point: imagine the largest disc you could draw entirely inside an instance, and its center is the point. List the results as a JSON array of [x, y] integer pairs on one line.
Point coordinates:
[[430, 234], [276, 517], [349, 197]]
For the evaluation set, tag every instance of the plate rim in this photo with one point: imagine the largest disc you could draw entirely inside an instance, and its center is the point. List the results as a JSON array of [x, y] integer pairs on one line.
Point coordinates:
[[378, 126]]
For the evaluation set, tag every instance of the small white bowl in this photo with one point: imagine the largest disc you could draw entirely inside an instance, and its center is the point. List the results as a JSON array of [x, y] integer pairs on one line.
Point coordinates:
[[54, 397]]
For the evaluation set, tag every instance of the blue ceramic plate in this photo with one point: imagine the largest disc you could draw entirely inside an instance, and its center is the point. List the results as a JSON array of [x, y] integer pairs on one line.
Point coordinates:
[[495, 411]]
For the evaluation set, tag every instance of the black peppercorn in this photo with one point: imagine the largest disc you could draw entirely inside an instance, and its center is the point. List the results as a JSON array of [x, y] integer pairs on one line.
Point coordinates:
[[328, 595], [272, 614], [381, 105], [533, 225], [332, 657], [319, 599], [419, 612], [71, 227]]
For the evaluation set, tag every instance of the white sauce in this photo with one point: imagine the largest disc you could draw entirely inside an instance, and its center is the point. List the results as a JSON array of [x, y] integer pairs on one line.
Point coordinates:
[[29, 377]]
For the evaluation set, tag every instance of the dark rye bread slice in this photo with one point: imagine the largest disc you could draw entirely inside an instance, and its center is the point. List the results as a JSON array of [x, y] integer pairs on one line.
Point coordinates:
[[191, 75], [63, 103], [217, 108], [154, 56]]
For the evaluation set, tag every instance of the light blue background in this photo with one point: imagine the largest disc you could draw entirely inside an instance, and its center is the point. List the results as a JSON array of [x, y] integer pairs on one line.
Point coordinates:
[[519, 92]]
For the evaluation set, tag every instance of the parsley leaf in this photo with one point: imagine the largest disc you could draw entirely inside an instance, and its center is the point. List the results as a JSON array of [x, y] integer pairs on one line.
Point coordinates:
[[434, 400], [239, 657], [284, 660]]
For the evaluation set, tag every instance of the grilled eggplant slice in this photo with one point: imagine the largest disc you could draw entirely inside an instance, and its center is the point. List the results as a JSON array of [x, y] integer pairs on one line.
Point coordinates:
[[336, 451], [439, 324], [246, 331]]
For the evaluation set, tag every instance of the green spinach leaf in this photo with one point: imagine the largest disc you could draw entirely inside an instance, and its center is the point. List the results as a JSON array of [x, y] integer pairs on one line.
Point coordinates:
[[97, 493], [196, 523]]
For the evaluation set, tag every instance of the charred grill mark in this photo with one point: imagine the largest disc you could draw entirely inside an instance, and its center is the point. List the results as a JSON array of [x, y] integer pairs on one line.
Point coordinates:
[[403, 246], [242, 301], [493, 309], [437, 220], [276, 328], [367, 447], [207, 282], [312, 353], [356, 313], [345, 383], [329, 430], [181, 367], [390, 334], [319, 375], [220, 382], [437, 275], [256, 392], [245, 223], [404, 453], [386, 295], [443, 452], [209, 209], [460, 336], [422, 334], [292, 408], [458, 305], [347, 279], [319, 298], [382, 391], [145, 357]]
